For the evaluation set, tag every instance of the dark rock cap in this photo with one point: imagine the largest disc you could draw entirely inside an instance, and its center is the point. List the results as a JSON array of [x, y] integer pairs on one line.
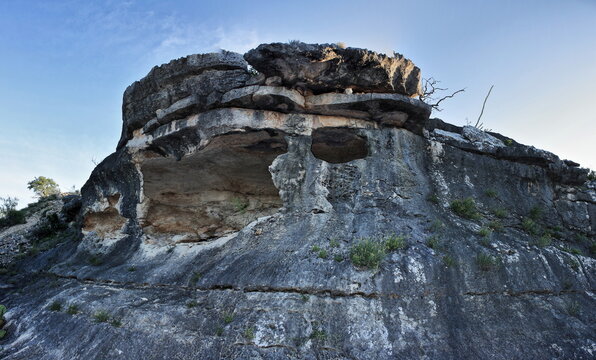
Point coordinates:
[[328, 67]]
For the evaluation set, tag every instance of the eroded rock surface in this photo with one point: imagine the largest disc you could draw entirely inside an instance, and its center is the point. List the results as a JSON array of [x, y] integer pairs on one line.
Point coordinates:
[[223, 226], [329, 68]]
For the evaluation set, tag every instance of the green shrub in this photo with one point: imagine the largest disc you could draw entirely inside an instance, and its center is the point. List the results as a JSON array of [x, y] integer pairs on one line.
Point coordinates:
[[485, 241], [94, 260], [367, 253], [334, 243], [573, 263], [322, 254], [228, 317], [101, 316], [131, 269], [72, 309], [394, 242], [437, 226], [13, 217], [465, 208], [116, 322], [2, 319], [304, 298], [500, 212], [191, 304], [338, 258], [491, 193], [315, 248], [535, 213], [530, 227], [484, 232], [495, 225], [486, 262], [219, 331], [574, 251], [196, 276], [249, 333], [544, 240], [449, 261], [573, 308], [433, 242], [240, 204], [318, 334], [433, 198], [55, 306]]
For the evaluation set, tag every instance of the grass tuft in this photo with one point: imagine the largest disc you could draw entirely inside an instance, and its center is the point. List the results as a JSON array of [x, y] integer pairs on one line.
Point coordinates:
[[465, 208]]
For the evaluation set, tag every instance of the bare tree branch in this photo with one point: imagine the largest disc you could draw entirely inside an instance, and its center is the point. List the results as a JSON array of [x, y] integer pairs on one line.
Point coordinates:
[[478, 124], [430, 89]]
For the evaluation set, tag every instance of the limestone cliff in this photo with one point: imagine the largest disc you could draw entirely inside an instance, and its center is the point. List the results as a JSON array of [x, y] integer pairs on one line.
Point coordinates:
[[243, 208]]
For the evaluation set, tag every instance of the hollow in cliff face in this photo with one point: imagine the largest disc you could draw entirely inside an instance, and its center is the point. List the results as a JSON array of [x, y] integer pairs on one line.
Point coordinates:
[[338, 145], [213, 191]]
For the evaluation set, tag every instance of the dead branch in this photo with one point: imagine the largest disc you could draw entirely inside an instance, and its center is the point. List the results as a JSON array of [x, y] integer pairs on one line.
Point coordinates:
[[430, 88], [478, 124]]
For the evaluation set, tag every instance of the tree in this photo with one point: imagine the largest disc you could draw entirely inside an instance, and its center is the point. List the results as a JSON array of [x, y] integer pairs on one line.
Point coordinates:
[[43, 186], [7, 204]]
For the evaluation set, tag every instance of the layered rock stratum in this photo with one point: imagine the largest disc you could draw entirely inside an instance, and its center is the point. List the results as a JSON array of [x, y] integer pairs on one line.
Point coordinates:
[[227, 224]]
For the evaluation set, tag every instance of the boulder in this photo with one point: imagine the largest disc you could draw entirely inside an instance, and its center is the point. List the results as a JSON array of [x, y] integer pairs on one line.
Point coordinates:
[[328, 68]]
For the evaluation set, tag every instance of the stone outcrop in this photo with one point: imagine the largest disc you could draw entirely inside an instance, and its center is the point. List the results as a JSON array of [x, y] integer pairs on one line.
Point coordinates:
[[225, 225], [330, 68]]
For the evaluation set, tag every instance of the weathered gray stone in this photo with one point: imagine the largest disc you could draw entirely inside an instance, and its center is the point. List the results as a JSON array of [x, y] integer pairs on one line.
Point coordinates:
[[223, 228], [328, 68]]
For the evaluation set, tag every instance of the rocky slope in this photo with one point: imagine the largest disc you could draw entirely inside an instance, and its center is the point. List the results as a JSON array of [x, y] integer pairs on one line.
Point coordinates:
[[240, 214]]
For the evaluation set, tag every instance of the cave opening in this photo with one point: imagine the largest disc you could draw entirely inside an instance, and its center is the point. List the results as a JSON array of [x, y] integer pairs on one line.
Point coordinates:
[[213, 191], [338, 145]]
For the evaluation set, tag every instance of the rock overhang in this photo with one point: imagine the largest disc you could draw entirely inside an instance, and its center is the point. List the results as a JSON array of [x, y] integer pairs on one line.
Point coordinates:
[[179, 113]]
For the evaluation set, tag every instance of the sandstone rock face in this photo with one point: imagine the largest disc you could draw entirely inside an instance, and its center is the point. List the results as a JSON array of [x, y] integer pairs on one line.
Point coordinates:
[[329, 68], [225, 225]]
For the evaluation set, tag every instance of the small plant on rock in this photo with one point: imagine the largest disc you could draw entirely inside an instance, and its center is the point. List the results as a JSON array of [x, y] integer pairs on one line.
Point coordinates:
[[249, 333], [240, 204], [55, 306], [101, 316], [196, 276], [394, 242], [322, 254], [484, 232], [486, 262], [573, 308], [116, 322], [449, 261], [544, 240], [465, 208], [191, 304], [367, 253], [535, 213], [530, 226], [2, 321], [500, 212], [72, 309], [433, 198], [228, 317], [491, 193], [433, 242]]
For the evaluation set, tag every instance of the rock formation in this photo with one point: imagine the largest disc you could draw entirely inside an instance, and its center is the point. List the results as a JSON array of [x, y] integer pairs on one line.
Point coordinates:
[[227, 224]]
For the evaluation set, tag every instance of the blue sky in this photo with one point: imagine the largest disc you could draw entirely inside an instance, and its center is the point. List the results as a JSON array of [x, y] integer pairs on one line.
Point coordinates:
[[66, 63]]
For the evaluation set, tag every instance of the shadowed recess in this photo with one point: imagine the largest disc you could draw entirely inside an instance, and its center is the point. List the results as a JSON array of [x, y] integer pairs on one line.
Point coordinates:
[[214, 191], [338, 145]]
